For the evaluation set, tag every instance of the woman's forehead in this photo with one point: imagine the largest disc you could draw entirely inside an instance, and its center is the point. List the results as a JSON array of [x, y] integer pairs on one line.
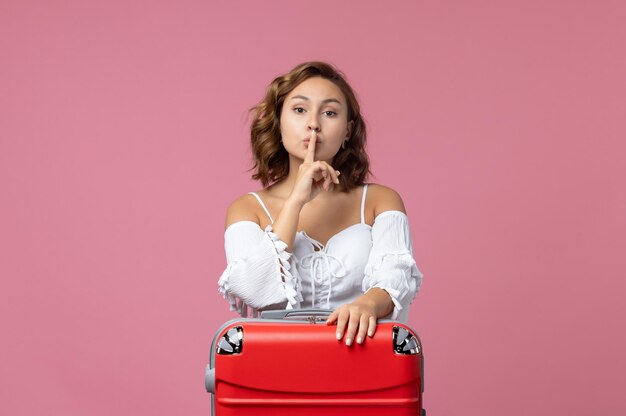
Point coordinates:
[[317, 89]]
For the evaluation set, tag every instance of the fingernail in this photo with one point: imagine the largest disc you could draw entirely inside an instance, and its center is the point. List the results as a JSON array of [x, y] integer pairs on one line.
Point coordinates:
[[359, 340], [338, 173], [338, 335], [349, 341], [370, 333]]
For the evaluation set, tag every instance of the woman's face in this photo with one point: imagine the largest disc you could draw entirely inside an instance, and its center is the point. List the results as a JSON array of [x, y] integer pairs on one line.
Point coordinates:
[[316, 104]]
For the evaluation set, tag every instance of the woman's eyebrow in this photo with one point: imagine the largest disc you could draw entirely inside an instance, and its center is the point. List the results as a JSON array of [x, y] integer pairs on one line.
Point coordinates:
[[328, 100]]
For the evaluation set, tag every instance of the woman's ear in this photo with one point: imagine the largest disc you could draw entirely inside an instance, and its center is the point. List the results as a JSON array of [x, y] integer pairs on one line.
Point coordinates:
[[349, 129]]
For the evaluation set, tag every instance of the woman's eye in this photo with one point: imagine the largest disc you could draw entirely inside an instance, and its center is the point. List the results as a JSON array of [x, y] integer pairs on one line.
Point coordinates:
[[299, 110], [330, 113]]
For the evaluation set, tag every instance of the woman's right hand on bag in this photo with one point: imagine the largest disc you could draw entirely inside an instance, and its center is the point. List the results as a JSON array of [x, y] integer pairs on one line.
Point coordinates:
[[313, 176]]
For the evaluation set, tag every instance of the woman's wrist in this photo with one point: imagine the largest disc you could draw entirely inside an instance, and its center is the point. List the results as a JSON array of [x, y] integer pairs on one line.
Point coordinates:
[[286, 223], [380, 300]]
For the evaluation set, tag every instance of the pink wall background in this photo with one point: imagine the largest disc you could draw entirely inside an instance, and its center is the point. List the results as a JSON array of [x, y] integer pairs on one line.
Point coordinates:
[[123, 139]]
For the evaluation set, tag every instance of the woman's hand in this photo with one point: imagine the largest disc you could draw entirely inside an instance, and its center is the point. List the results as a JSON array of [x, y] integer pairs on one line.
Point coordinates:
[[360, 316], [357, 316], [313, 176]]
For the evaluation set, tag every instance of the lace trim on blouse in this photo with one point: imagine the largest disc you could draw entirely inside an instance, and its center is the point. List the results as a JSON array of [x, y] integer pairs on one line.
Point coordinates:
[[276, 280]]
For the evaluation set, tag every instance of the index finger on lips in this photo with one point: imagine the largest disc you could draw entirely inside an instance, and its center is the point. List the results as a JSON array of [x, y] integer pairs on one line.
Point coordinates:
[[310, 153]]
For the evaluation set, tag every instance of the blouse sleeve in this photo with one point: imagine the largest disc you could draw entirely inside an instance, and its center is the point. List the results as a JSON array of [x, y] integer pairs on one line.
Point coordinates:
[[391, 265], [259, 272]]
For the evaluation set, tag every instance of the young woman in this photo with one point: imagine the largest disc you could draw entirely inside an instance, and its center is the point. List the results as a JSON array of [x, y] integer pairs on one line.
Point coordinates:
[[316, 235]]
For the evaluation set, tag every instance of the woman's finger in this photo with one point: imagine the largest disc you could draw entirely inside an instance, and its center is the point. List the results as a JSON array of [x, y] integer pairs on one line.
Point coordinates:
[[321, 171], [318, 171], [353, 325], [342, 320], [327, 179], [334, 174], [310, 153], [363, 326], [372, 329], [332, 317]]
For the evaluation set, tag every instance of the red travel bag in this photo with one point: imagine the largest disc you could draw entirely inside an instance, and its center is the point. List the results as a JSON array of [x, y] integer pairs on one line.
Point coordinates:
[[290, 363]]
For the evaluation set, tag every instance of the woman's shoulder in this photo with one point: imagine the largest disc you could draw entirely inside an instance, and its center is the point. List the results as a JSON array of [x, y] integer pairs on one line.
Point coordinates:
[[382, 198], [244, 208]]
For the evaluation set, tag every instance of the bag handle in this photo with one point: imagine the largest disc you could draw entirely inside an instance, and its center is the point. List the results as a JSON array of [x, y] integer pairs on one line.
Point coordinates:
[[298, 314]]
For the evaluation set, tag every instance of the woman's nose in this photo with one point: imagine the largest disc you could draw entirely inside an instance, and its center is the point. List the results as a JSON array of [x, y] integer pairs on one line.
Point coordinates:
[[314, 123]]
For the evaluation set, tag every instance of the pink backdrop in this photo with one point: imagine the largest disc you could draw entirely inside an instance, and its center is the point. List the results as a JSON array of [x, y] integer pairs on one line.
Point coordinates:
[[123, 140]]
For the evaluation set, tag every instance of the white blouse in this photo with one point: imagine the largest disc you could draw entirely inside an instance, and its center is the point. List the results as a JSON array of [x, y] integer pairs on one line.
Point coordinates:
[[261, 274]]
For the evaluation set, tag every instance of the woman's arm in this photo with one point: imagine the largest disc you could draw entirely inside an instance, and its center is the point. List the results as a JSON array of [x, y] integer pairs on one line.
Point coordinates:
[[259, 269], [313, 177], [358, 318], [286, 224]]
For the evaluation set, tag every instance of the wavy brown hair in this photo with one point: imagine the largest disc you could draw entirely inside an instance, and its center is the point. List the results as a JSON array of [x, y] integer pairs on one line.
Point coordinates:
[[271, 160]]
